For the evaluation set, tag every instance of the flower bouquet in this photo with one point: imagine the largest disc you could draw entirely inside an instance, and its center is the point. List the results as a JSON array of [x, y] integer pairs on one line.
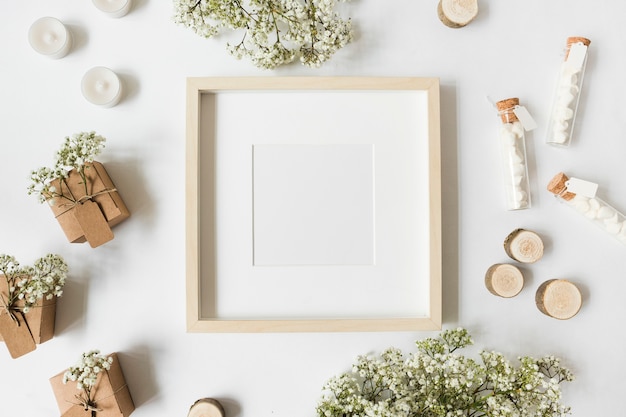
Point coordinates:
[[274, 33], [436, 381], [79, 191], [94, 387], [28, 301]]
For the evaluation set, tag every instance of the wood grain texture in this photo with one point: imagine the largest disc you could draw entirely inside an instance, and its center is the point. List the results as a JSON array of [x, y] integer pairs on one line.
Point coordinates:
[[457, 13], [523, 246], [504, 280], [206, 407], [558, 298]]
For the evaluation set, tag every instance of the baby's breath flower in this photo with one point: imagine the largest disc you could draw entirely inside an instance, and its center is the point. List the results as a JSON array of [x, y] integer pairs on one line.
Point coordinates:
[[85, 374], [87, 368], [437, 381], [275, 32], [77, 151], [45, 279]]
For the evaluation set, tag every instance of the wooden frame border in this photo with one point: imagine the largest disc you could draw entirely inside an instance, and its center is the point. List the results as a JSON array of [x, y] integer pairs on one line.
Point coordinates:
[[201, 85]]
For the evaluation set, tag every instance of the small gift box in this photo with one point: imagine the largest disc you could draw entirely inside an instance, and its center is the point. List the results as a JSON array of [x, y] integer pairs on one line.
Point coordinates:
[[94, 388], [80, 192], [22, 331], [28, 319], [90, 206]]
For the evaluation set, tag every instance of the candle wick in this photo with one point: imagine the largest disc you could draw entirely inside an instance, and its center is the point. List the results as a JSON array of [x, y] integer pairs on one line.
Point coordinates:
[[101, 86], [49, 37]]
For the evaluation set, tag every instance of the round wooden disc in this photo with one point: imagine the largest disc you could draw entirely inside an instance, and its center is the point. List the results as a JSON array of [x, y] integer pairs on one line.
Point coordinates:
[[206, 407], [558, 298], [524, 246], [504, 280], [457, 13]]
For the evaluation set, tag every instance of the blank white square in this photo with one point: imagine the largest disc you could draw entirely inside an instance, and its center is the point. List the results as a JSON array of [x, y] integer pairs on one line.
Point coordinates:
[[313, 204]]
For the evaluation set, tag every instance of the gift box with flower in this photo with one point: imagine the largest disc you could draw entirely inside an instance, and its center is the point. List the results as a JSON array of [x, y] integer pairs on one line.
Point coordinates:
[[28, 301], [94, 387], [80, 192]]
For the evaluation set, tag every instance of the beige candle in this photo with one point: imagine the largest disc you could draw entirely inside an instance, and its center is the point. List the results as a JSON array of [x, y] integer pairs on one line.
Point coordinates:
[[113, 8], [102, 87], [50, 37]]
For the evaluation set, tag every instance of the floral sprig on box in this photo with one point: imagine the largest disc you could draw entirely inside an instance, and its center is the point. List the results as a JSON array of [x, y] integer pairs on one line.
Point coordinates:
[[76, 153], [45, 279], [80, 192], [275, 32], [94, 386], [85, 374], [437, 381]]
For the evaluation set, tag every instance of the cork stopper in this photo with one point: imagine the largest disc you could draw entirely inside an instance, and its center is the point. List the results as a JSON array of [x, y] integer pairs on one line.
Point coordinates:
[[505, 109], [575, 39], [557, 186]]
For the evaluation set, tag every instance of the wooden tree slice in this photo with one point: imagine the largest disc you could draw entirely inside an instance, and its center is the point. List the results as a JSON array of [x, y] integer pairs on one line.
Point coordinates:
[[206, 407], [457, 13], [558, 298], [523, 246], [504, 280]]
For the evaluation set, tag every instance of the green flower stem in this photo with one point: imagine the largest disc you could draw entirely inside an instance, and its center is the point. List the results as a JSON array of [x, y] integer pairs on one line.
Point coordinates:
[[243, 9], [312, 11], [81, 172], [276, 31], [62, 194]]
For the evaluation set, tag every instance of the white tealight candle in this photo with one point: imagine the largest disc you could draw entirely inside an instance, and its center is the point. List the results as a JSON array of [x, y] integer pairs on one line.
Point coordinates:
[[50, 37], [101, 86], [113, 8]]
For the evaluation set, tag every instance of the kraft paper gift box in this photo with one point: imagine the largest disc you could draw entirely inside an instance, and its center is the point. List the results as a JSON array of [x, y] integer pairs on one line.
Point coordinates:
[[90, 211], [24, 331], [110, 395]]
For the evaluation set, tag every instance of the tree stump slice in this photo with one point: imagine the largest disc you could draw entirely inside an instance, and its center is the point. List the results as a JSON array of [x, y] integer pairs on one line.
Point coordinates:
[[206, 407], [523, 246], [558, 298], [504, 280], [457, 13]]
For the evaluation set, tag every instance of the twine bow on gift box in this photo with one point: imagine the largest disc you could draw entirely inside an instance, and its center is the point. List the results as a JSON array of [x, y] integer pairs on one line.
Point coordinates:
[[84, 407], [85, 404], [85, 210], [85, 198], [18, 339], [6, 307]]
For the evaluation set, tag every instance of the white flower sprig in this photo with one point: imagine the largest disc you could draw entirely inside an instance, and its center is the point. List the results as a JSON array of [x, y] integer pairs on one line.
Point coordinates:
[[275, 32], [45, 279], [437, 382], [85, 374], [77, 151]]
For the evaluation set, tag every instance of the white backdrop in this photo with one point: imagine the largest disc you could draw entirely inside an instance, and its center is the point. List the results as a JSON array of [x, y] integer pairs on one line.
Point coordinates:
[[129, 297]]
